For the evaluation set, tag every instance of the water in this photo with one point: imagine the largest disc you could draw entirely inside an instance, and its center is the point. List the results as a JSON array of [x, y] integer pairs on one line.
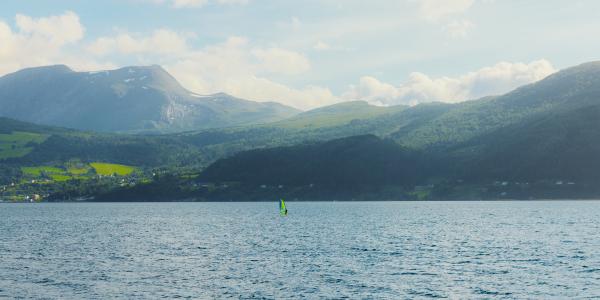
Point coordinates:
[[384, 250]]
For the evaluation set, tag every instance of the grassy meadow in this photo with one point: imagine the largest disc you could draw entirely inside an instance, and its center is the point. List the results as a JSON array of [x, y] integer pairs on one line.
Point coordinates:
[[17, 143]]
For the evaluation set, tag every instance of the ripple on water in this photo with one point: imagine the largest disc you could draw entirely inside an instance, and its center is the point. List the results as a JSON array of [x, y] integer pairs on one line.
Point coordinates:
[[383, 250]]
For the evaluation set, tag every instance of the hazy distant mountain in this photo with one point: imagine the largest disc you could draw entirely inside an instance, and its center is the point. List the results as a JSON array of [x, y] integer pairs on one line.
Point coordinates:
[[338, 114], [546, 132], [566, 90], [129, 99], [443, 126], [549, 130]]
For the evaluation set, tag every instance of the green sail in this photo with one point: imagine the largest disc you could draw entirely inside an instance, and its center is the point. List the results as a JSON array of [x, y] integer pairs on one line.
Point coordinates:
[[282, 209]]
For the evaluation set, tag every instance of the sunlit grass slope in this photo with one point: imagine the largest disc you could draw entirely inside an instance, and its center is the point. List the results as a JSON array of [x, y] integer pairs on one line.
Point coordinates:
[[18, 144], [107, 169]]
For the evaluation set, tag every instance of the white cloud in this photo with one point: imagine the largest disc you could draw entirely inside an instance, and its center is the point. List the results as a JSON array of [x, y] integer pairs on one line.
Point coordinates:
[[266, 60], [458, 28], [58, 30], [43, 41], [420, 88], [8, 42], [281, 61], [188, 3], [161, 41], [296, 23], [434, 10], [196, 3], [231, 2], [321, 46], [440, 11], [373, 91], [235, 68]]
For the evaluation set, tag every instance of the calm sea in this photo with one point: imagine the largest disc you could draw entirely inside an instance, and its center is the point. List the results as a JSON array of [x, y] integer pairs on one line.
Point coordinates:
[[382, 250]]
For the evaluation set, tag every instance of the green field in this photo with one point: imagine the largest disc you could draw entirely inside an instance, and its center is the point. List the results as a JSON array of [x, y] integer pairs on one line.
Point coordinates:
[[17, 143], [107, 169], [60, 177], [53, 173], [38, 171], [78, 170]]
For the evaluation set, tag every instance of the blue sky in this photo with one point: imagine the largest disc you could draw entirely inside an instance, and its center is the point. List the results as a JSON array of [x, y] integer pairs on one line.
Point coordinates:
[[311, 53]]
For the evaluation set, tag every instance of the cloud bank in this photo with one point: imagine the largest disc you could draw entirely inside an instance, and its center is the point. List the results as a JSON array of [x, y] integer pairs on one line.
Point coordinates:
[[43, 41], [237, 67], [434, 10], [233, 66], [420, 88], [197, 3]]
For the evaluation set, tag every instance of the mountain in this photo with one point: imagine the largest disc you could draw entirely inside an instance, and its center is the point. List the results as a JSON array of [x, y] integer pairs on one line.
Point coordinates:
[[130, 99], [337, 169], [445, 129], [438, 127], [568, 89], [548, 156], [27, 144], [524, 144], [540, 140], [357, 160], [561, 146], [337, 114]]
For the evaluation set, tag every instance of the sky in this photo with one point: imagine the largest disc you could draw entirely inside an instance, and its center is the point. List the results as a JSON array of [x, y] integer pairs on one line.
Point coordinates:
[[311, 53]]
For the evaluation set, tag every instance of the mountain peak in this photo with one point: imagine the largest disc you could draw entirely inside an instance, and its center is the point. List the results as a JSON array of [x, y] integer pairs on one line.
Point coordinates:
[[156, 68], [44, 69], [138, 98], [347, 107], [588, 67], [589, 64], [589, 71], [219, 94]]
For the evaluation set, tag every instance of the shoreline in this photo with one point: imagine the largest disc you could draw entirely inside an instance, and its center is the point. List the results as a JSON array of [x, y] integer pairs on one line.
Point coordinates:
[[313, 201]]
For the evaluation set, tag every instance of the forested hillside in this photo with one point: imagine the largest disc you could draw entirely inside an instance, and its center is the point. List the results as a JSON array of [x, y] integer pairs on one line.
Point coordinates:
[[543, 135]]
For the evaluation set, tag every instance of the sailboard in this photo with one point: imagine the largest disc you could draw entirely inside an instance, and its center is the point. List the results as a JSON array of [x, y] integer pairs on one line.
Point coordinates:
[[282, 209]]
